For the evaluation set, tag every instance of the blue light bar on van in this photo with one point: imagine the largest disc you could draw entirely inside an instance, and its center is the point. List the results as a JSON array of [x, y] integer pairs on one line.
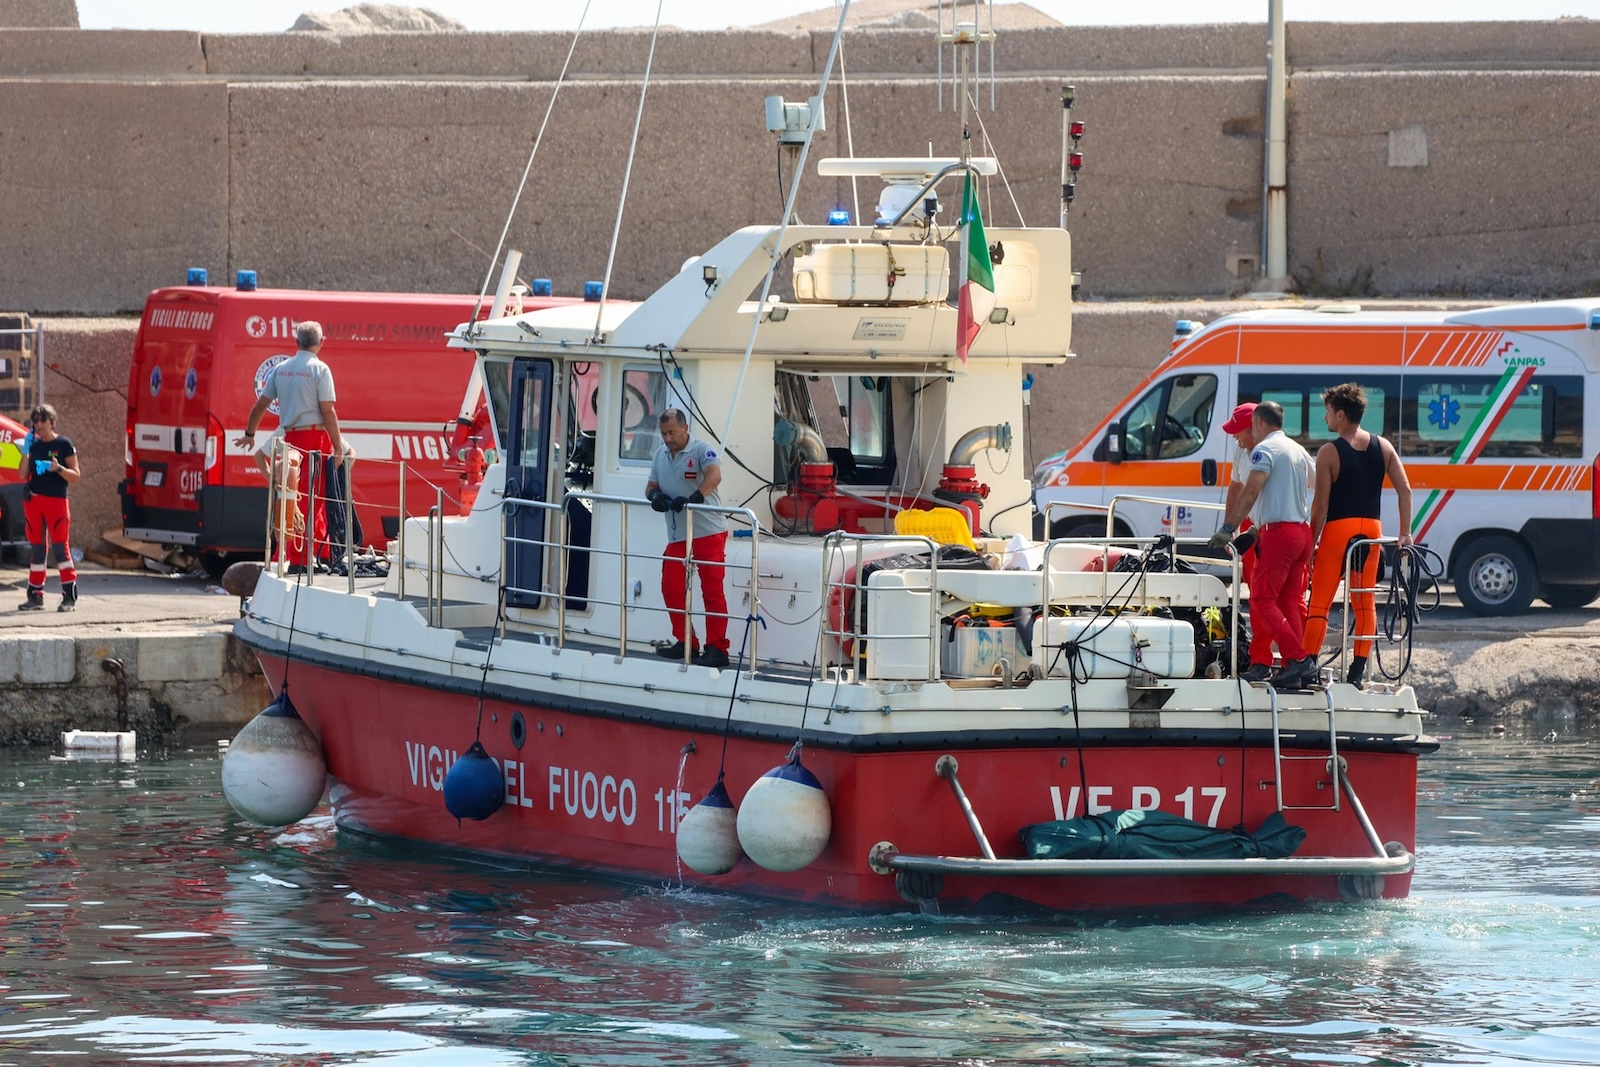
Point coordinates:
[[245, 281], [542, 287], [838, 217], [197, 276], [1183, 328], [1594, 320], [592, 291]]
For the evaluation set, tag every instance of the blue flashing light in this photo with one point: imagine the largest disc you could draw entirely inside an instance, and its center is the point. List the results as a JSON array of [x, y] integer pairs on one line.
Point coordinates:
[[542, 287], [245, 281], [592, 291], [1183, 328], [839, 217], [1594, 320], [197, 276]]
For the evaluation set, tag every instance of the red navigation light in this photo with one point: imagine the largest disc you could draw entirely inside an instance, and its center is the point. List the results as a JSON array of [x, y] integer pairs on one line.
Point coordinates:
[[1075, 128], [1074, 161]]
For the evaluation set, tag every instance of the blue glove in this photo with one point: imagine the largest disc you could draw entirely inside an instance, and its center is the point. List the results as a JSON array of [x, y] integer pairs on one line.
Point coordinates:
[[659, 501], [41, 466], [27, 443], [697, 497]]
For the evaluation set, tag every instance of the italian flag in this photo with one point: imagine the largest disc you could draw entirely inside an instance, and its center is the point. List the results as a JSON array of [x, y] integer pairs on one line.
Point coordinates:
[[976, 291]]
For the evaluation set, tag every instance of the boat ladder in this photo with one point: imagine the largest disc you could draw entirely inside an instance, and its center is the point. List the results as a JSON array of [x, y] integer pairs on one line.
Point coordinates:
[[1330, 758]]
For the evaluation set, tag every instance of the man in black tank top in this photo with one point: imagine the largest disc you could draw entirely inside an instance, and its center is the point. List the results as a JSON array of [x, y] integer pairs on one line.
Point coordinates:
[[1347, 506]]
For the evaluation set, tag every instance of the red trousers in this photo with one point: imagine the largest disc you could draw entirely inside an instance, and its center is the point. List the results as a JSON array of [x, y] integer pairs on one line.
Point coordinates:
[[48, 519], [708, 555], [1329, 572], [1277, 600], [298, 548]]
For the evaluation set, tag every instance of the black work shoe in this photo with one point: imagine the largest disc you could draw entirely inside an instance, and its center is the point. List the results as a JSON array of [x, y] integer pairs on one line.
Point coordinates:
[[1256, 672], [35, 601], [672, 651], [69, 596], [1296, 674], [711, 656], [1357, 675]]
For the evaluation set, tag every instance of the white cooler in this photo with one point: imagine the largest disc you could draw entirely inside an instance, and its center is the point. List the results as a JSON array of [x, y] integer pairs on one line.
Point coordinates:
[[1165, 646]]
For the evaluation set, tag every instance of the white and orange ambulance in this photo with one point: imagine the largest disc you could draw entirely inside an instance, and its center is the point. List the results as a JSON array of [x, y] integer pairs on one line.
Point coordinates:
[[1495, 412]]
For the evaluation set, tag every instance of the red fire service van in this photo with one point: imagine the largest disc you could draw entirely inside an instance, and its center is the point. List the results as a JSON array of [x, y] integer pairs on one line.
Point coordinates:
[[201, 355]]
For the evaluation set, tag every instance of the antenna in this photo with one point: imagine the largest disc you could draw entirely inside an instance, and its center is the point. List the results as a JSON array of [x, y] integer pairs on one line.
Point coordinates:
[[966, 60]]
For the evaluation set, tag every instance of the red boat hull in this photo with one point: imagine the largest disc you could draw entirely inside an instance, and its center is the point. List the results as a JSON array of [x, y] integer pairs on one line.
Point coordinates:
[[602, 793]]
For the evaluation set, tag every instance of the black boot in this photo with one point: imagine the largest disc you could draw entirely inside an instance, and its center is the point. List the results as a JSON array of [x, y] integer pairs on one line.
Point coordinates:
[[35, 601], [69, 596], [1357, 674]]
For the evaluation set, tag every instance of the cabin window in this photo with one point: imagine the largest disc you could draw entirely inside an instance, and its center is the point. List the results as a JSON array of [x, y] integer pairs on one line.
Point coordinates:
[[854, 413], [497, 383], [645, 394]]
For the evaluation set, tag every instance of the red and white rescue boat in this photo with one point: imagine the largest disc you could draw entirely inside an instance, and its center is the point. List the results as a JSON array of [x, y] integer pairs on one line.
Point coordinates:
[[915, 679]]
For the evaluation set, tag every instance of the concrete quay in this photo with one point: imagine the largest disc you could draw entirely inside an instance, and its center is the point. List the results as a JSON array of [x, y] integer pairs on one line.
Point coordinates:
[[142, 652], [179, 668]]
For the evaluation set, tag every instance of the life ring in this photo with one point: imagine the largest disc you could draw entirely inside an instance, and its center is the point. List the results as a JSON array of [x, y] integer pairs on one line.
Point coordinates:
[[841, 613]]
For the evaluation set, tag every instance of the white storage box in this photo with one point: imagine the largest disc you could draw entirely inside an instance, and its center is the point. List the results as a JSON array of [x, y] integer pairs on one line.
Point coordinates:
[[859, 274], [1165, 647], [975, 651]]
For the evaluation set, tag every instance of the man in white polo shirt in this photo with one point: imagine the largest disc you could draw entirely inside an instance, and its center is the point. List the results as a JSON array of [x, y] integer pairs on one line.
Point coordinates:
[[1280, 471]]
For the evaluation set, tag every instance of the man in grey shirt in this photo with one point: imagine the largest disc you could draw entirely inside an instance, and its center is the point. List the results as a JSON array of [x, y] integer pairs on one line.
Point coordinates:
[[1280, 471], [686, 472], [303, 387]]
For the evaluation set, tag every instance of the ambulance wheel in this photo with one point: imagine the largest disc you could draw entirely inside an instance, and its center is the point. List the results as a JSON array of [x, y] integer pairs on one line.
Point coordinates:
[[1494, 575], [1569, 596], [1081, 527]]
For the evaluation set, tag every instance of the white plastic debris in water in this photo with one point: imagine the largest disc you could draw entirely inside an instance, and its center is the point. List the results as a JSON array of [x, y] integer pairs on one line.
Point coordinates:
[[100, 744]]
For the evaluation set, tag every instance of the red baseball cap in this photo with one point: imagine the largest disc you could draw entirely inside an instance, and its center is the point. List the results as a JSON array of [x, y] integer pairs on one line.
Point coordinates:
[[1241, 417]]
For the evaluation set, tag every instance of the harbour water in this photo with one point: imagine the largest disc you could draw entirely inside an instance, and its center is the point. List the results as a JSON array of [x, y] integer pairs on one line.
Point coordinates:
[[142, 922]]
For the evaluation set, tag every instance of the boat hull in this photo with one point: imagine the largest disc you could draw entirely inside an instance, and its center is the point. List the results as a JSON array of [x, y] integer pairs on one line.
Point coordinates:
[[591, 789]]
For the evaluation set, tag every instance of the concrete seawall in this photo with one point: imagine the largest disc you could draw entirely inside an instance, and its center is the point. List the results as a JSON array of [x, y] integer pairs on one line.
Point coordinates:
[[179, 671], [142, 652]]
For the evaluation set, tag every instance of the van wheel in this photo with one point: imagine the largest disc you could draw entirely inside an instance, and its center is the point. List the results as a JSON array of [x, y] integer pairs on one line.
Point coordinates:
[[1495, 576], [216, 564], [1569, 596]]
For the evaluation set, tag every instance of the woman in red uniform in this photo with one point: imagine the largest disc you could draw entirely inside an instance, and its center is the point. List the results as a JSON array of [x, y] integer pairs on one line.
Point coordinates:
[[52, 465]]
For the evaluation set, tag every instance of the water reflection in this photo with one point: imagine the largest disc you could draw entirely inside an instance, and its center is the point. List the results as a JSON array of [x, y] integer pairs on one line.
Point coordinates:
[[140, 920]]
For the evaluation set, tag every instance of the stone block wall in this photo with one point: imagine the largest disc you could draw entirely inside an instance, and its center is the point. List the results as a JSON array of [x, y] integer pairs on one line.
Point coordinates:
[[1427, 161], [1424, 160]]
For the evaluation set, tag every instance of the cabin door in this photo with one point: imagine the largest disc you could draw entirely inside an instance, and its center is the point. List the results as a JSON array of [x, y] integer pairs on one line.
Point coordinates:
[[528, 480]]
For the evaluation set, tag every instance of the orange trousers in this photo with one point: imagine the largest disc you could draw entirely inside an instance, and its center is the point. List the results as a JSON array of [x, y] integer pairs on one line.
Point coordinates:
[[1328, 571]]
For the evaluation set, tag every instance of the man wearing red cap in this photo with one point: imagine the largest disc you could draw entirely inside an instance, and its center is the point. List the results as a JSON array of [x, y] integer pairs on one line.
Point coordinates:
[[1241, 427], [1280, 473]]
